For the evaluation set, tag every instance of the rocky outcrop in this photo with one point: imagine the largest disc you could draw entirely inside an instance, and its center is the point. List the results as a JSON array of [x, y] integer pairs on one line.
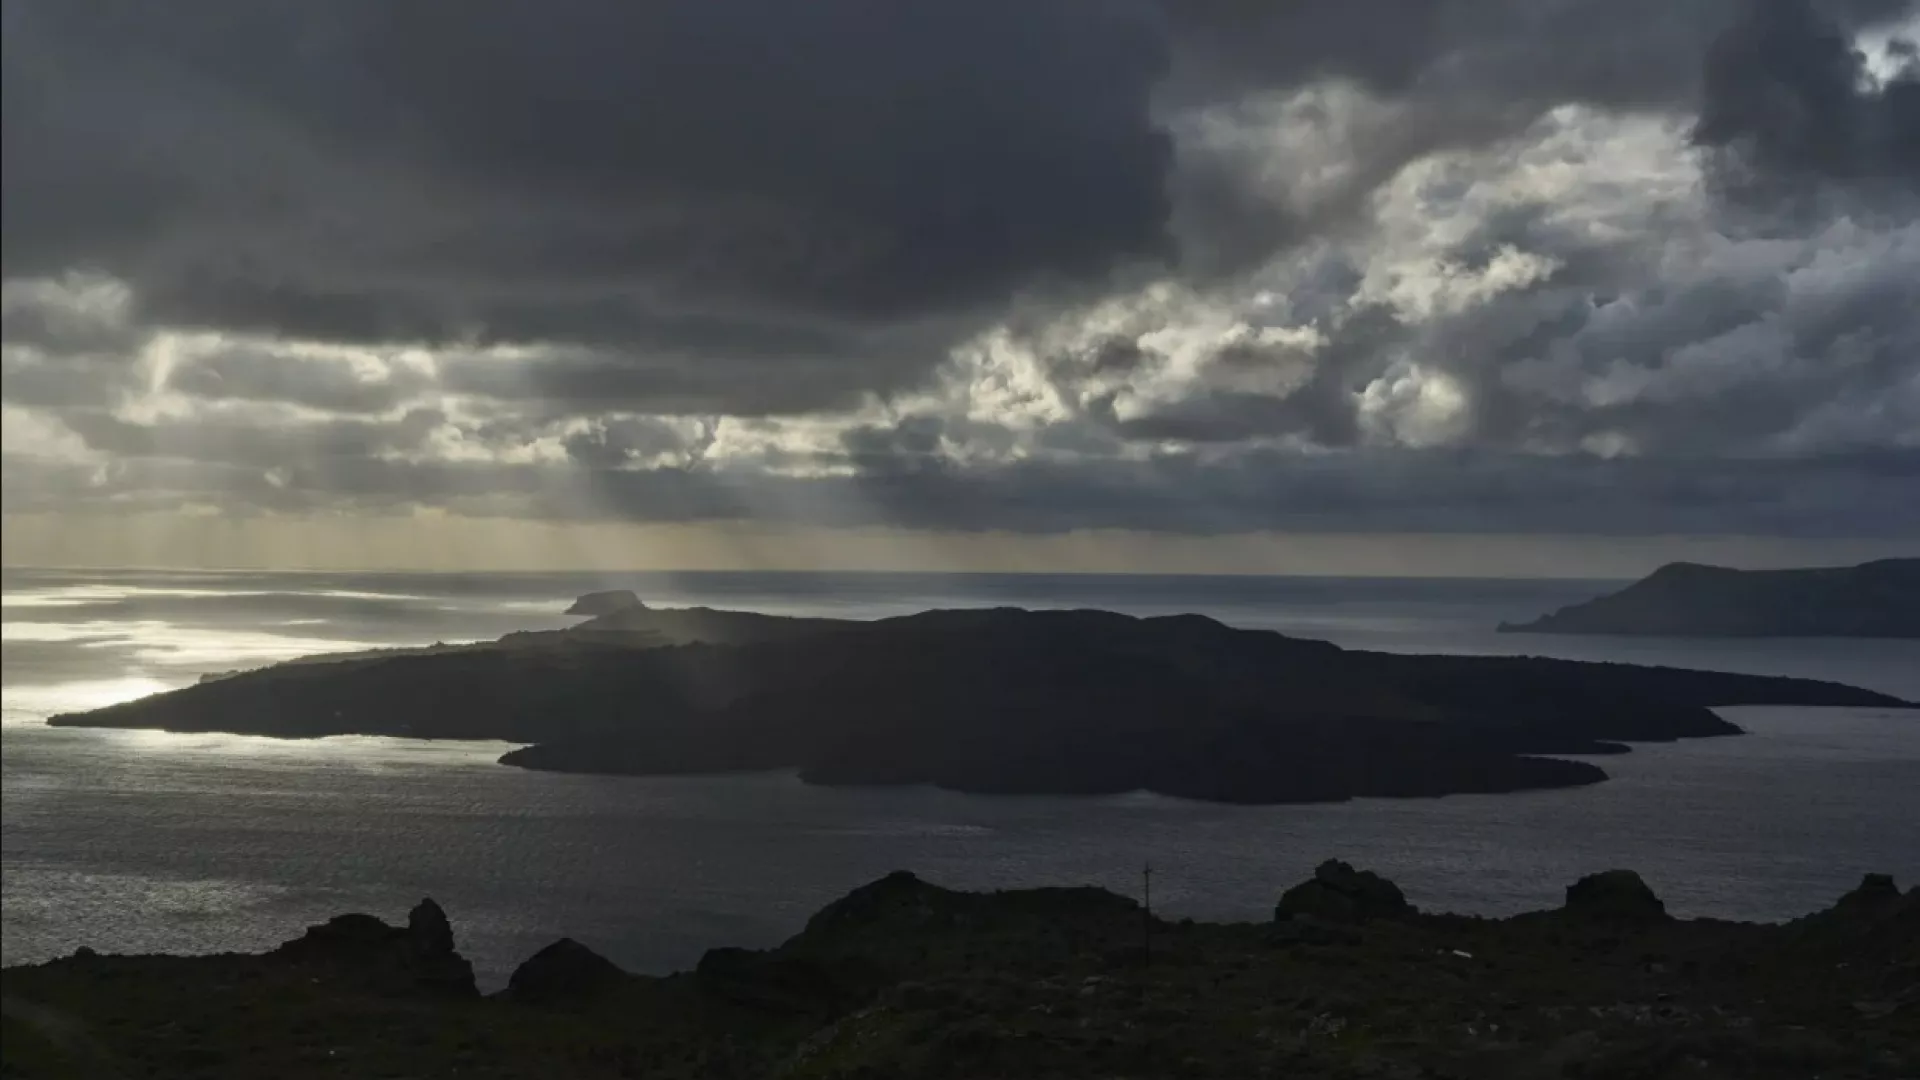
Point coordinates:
[[367, 952], [1873, 909], [429, 930], [1876, 599], [564, 971], [1339, 893], [906, 979], [1876, 896], [606, 602], [1614, 895]]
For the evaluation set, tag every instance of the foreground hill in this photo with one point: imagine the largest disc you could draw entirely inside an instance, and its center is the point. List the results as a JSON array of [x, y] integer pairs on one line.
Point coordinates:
[[1000, 700], [1876, 599], [902, 978]]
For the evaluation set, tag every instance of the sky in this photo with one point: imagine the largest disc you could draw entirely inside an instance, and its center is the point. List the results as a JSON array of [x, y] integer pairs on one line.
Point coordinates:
[[1328, 286]]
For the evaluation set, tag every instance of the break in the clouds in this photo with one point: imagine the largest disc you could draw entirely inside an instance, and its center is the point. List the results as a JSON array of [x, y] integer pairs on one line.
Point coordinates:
[[1600, 266]]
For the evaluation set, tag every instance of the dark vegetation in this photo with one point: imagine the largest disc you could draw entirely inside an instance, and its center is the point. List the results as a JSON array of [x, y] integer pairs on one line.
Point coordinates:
[[999, 700], [902, 978], [1875, 599]]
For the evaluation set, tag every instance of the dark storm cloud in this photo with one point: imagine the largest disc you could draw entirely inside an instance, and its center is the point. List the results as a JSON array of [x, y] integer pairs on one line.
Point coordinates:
[[1788, 98], [1618, 52], [649, 175], [734, 182], [615, 222]]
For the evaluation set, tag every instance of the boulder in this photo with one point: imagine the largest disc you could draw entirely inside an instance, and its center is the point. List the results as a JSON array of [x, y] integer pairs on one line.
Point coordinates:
[[1614, 895], [1875, 897], [366, 952], [354, 933], [563, 971], [606, 602], [900, 899], [432, 933], [1339, 893]]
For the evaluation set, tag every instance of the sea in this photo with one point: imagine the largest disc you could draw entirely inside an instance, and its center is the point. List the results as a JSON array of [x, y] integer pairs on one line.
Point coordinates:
[[137, 841]]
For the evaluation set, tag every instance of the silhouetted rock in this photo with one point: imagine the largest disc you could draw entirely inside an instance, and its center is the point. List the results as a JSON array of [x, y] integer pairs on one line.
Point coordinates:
[[898, 896], [563, 971], [344, 935], [1875, 599], [1874, 897], [606, 602], [432, 933], [1614, 895], [366, 952], [1339, 893]]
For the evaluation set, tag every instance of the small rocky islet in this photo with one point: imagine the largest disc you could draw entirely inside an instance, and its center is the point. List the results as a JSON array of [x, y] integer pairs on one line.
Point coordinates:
[[904, 978]]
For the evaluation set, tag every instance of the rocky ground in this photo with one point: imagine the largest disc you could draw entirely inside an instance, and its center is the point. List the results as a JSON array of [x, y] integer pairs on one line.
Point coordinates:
[[902, 978]]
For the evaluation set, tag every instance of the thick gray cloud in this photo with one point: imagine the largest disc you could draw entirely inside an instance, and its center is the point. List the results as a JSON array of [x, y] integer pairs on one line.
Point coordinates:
[[1563, 265], [730, 181], [1789, 98]]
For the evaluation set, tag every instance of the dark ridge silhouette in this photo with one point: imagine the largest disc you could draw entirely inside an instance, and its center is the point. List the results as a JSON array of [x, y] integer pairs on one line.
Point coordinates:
[[995, 701], [608, 602], [1875, 599], [904, 978]]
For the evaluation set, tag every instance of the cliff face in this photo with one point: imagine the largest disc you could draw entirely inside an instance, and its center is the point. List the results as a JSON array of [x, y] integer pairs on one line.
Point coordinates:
[[1000, 701], [1876, 599], [903, 978]]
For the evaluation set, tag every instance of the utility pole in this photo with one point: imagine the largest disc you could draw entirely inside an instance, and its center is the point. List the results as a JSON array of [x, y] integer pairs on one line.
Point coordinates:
[[1146, 914]]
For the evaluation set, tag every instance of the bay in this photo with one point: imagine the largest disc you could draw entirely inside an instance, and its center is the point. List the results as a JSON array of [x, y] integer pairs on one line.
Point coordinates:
[[145, 841]]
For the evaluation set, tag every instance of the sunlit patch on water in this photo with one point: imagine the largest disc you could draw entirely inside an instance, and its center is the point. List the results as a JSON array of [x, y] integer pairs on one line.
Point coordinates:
[[165, 644], [77, 595], [32, 704], [358, 751]]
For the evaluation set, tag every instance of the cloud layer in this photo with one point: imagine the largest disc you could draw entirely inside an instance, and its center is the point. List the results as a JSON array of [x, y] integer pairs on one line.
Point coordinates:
[[1038, 265]]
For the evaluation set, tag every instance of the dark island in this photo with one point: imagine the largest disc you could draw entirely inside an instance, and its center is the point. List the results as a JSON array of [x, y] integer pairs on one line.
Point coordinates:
[[1875, 599], [903, 978], [997, 701]]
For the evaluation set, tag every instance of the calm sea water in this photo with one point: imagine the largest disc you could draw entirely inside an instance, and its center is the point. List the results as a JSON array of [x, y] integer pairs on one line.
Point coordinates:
[[141, 841]]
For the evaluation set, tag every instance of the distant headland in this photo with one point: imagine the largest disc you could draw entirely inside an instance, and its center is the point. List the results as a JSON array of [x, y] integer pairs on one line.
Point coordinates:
[[989, 700], [1875, 599]]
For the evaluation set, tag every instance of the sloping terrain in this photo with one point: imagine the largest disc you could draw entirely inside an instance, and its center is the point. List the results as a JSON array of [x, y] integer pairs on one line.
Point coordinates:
[[1875, 599]]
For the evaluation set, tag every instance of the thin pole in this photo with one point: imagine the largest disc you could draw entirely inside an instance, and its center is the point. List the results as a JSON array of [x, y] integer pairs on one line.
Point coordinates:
[[1146, 913]]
